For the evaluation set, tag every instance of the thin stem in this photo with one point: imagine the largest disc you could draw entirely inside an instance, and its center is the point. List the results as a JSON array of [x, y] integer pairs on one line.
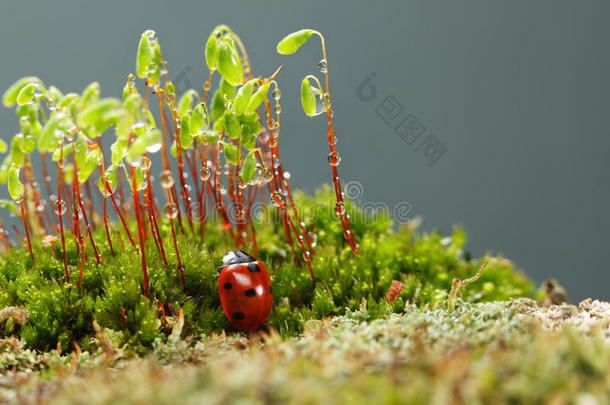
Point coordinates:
[[27, 232]]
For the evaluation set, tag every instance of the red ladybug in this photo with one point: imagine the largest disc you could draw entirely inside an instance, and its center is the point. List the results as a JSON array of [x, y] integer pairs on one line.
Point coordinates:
[[245, 290]]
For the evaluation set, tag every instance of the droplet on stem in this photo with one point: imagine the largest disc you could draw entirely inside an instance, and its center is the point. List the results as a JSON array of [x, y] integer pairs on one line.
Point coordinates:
[[322, 66], [166, 179], [334, 158]]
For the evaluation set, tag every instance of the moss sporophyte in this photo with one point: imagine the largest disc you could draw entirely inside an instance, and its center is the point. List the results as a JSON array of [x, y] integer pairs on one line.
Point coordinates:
[[231, 192]]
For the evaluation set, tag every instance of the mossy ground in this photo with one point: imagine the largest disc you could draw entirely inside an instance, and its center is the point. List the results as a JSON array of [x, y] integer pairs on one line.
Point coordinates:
[[63, 312], [486, 353]]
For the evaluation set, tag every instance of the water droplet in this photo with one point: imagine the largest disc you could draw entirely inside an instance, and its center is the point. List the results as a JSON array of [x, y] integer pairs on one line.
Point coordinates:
[[277, 199], [278, 108], [268, 175], [60, 207], [287, 175], [322, 66], [171, 210], [340, 208], [166, 179], [204, 173], [223, 191], [273, 141], [277, 94], [334, 158]]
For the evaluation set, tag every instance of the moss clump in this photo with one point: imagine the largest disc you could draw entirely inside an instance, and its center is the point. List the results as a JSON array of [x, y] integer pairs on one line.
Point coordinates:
[[426, 264], [492, 353]]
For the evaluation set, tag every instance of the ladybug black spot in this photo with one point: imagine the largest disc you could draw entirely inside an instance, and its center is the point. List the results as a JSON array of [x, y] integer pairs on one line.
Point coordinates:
[[228, 286], [253, 267], [250, 292], [238, 316], [270, 290]]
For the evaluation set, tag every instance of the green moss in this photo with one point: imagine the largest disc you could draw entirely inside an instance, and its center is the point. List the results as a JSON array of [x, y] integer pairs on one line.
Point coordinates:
[[426, 264]]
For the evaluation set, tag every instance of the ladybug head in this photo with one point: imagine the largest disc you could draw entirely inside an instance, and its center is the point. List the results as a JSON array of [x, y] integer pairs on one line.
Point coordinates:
[[237, 256]]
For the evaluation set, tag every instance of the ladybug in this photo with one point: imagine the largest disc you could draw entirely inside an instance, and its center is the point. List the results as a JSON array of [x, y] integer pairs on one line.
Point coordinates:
[[245, 290]]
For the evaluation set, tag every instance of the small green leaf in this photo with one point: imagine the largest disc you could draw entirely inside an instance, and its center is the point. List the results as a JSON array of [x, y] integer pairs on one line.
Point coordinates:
[[59, 152], [3, 146], [53, 131], [95, 114], [226, 89], [229, 64], [243, 97], [248, 169], [93, 159], [15, 187], [112, 179], [186, 140], [90, 95], [257, 98], [232, 126], [119, 150], [211, 51], [308, 98], [80, 150], [198, 120], [149, 141], [231, 153], [10, 206], [211, 137], [26, 94], [16, 153], [9, 98], [186, 101], [218, 106], [292, 42], [6, 164], [145, 56]]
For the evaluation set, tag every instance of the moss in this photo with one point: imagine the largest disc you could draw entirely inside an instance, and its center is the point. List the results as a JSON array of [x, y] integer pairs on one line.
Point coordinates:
[[62, 312], [482, 353]]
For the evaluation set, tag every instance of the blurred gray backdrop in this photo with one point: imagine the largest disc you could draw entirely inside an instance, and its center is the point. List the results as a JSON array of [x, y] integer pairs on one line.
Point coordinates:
[[491, 115]]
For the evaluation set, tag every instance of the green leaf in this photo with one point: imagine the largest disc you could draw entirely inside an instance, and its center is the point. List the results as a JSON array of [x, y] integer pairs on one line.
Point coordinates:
[[186, 140], [112, 179], [3, 146], [6, 164], [95, 115], [243, 97], [15, 187], [292, 42], [225, 88], [80, 150], [91, 94], [119, 150], [186, 101], [93, 159], [59, 152], [248, 169], [145, 56], [9, 98], [231, 153], [26, 94], [211, 51], [149, 141], [257, 98], [232, 126], [53, 131], [308, 98], [229, 64], [16, 153], [198, 120], [10, 206], [218, 106], [212, 137]]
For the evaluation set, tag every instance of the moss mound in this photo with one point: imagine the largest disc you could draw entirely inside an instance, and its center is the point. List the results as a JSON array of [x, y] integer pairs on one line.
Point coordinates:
[[62, 312]]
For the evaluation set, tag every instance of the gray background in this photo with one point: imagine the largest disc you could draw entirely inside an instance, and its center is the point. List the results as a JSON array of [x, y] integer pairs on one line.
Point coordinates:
[[517, 91]]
